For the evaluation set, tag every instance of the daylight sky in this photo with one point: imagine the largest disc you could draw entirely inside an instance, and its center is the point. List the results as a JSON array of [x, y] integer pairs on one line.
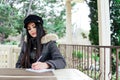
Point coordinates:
[[80, 16]]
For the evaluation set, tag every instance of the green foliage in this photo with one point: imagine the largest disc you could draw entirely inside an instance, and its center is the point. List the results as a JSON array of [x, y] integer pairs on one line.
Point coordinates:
[[118, 1], [115, 23], [93, 36], [13, 13], [10, 43], [8, 20], [51, 1], [95, 57], [83, 35], [77, 54], [54, 22], [114, 60], [115, 28], [114, 77], [5, 30], [56, 26]]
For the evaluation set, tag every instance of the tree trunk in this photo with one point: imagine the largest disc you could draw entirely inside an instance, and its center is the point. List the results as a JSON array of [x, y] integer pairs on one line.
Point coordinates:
[[23, 31]]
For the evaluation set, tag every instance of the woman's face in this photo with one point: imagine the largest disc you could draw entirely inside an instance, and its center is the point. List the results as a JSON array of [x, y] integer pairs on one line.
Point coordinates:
[[31, 27]]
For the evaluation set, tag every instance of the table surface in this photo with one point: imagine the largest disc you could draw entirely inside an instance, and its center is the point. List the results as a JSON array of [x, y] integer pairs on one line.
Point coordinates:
[[71, 74], [60, 74]]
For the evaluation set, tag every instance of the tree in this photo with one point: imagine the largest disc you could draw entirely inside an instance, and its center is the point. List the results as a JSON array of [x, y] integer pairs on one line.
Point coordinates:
[[52, 11], [9, 21], [93, 35], [115, 29], [114, 18], [115, 22]]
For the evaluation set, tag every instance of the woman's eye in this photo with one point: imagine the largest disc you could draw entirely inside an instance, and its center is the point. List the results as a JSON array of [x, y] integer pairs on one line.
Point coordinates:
[[28, 29], [34, 26]]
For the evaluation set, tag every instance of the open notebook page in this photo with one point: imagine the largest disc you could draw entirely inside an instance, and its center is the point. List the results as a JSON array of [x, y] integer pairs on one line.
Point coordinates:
[[39, 71]]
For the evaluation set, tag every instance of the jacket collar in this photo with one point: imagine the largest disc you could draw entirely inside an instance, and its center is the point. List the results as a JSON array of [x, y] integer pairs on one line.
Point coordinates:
[[49, 37]]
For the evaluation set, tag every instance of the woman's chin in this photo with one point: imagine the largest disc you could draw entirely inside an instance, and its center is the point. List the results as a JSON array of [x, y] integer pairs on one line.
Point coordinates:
[[34, 36]]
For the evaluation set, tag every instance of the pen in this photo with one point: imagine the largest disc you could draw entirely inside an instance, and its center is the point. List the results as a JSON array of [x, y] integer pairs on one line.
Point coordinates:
[[39, 58]]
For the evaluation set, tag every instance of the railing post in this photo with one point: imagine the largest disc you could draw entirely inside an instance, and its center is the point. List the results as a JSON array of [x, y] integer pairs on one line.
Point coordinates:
[[104, 30], [69, 51], [105, 64]]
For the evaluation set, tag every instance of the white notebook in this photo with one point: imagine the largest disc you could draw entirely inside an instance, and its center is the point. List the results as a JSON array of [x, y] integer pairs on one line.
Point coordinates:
[[39, 71]]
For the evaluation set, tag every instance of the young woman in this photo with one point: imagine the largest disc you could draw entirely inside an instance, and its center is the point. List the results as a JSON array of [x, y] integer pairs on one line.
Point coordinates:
[[39, 51]]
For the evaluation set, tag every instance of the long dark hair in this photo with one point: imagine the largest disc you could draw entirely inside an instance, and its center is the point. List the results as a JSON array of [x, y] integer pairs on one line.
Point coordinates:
[[26, 57]]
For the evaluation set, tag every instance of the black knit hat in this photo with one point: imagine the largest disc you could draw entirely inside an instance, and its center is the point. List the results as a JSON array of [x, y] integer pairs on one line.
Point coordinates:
[[32, 18]]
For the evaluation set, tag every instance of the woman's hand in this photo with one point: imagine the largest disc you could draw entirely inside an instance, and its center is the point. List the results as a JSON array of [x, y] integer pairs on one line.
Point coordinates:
[[40, 65]]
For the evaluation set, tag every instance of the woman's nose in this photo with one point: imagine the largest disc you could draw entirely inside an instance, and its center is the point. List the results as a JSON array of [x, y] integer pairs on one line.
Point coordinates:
[[32, 29]]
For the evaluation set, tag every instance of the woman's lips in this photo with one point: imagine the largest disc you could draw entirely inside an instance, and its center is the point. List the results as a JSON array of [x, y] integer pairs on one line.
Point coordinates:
[[33, 33]]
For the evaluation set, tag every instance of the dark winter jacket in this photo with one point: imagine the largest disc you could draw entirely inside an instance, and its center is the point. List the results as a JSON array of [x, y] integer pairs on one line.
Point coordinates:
[[50, 53]]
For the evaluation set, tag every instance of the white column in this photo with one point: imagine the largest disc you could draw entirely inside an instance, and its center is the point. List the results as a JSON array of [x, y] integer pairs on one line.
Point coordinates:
[[68, 22], [104, 37], [68, 33]]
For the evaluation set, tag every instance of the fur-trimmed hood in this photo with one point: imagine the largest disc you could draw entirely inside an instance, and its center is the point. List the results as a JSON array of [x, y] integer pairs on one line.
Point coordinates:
[[49, 37]]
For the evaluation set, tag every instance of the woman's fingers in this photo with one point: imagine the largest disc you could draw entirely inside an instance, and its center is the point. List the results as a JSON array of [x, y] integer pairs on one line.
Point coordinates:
[[40, 65]]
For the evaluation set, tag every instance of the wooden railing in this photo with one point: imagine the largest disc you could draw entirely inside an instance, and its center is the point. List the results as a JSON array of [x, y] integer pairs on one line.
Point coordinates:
[[8, 56], [86, 58]]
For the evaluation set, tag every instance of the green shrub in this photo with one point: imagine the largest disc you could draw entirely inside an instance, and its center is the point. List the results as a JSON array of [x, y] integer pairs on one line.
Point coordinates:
[[77, 54]]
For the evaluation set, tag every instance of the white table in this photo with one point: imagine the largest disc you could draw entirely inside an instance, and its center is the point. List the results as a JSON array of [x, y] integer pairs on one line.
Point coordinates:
[[71, 74]]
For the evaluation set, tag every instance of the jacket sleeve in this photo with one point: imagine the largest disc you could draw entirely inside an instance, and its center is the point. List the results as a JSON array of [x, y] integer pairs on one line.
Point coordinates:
[[57, 61], [18, 63]]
